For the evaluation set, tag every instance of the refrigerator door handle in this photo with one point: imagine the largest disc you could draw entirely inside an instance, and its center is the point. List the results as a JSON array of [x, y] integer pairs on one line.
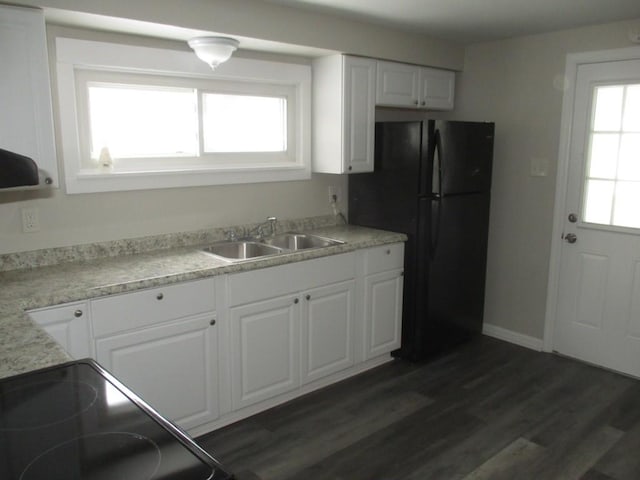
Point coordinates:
[[436, 215], [436, 189], [436, 182]]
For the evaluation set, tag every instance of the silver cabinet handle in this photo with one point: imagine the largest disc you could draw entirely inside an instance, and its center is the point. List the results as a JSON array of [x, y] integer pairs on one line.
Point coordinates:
[[212, 322], [77, 313], [308, 297], [296, 300], [160, 296]]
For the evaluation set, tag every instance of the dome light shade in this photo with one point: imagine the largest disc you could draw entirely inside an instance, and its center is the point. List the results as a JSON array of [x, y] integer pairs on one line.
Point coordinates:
[[214, 50]]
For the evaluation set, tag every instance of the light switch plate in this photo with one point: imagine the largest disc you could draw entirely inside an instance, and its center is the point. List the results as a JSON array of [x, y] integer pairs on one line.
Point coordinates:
[[539, 167]]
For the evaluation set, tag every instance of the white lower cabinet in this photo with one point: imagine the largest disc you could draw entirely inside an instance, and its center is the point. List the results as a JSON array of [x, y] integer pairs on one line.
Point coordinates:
[[163, 344], [327, 330], [264, 349], [200, 352], [68, 325], [383, 312], [287, 341], [290, 325], [173, 367], [383, 284]]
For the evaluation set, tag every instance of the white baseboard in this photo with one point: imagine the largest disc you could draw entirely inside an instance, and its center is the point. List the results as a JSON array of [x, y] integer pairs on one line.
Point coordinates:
[[512, 337]]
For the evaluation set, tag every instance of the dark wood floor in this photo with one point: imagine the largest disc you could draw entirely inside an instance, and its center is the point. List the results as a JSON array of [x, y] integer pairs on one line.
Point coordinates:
[[490, 410]]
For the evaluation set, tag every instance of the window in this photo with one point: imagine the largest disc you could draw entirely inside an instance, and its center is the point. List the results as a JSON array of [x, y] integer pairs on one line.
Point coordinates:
[[612, 185], [243, 123], [141, 120], [137, 117]]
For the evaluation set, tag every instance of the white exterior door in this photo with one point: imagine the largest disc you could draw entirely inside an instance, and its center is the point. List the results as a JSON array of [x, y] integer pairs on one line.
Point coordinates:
[[598, 297]]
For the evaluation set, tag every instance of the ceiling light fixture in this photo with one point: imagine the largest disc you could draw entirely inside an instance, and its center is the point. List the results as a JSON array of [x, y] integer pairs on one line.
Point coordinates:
[[214, 50]]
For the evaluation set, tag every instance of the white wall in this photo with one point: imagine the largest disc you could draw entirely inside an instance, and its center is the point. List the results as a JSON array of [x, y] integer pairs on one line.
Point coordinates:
[[267, 21], [518, 84]]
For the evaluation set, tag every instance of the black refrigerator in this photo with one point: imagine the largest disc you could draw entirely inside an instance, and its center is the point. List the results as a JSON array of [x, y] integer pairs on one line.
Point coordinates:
[[432, 181]]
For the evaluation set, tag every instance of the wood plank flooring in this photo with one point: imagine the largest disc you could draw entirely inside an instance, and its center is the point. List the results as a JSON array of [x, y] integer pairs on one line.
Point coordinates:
[[488, 411]]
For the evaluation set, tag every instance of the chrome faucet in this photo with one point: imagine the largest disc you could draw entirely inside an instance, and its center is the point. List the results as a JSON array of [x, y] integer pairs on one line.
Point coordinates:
[[273, 222], [258, 231], [231, 235]]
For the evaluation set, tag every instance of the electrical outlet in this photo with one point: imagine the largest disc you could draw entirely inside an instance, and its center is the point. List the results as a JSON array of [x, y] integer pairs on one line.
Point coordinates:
[[30, 220], [334, 194]]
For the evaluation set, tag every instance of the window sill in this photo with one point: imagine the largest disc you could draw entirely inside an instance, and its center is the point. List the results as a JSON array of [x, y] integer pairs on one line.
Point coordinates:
[[90, 181]]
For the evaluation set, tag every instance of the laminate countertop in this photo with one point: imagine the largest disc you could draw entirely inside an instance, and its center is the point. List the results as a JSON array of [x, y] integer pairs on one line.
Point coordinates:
[[24, 346]]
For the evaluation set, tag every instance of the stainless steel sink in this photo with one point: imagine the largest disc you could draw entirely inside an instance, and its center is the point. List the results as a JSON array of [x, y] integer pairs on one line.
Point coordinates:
[[300, 241], [242, 250], [238, 250]]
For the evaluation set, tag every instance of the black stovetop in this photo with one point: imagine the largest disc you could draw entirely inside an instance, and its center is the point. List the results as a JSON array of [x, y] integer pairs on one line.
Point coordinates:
[[76, 421]]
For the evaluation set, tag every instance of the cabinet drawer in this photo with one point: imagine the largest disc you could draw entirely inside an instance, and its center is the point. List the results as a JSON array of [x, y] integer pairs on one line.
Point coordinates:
[[383, 258], [155, 305]]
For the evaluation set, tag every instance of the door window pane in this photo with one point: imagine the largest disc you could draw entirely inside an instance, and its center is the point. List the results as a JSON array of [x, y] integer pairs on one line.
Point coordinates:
[[608, 108], [627, 205], [629, 168], [612, 183], [598, 201], [604, 150], [631, 122], [244, 123], [142, 121]]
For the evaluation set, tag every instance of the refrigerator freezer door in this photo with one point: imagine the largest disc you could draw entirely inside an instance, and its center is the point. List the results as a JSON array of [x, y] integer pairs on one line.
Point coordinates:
[[465, 153]]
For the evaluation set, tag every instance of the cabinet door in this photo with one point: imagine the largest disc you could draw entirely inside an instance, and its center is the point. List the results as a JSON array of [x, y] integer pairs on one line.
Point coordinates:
[[68, 325], [327, 330], [265, 349], [173, 367], [437, 89], [383, 312], [358, 114], [397, 85], [26, 116]]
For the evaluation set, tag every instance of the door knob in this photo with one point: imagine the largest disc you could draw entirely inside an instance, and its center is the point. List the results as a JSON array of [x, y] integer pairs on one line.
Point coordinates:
[[571, 238], [573, 218]]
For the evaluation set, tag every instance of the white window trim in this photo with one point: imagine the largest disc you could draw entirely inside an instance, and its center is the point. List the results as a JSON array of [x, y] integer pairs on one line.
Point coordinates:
[[75, 54]]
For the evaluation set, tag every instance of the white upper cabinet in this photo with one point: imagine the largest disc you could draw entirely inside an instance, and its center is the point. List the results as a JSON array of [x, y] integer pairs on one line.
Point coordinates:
[[403, 85], [437, 88], [343, 114], [398, 85], [26, 117]]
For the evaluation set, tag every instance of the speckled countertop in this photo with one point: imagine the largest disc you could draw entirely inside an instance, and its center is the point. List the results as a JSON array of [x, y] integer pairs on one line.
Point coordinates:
[[24, 346]]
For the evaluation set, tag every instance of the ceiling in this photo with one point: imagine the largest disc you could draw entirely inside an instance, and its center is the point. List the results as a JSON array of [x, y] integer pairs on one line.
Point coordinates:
[[472, 21]]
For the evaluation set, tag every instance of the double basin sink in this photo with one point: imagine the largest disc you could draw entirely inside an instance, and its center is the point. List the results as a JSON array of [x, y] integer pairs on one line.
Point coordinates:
[[238, 250]]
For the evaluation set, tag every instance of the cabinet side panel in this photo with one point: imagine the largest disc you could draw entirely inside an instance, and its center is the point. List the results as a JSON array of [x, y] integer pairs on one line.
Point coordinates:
[[327, 115]]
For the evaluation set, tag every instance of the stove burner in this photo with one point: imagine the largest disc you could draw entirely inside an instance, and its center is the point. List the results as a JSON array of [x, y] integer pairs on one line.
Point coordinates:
[[100, 456], [22, 408]]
